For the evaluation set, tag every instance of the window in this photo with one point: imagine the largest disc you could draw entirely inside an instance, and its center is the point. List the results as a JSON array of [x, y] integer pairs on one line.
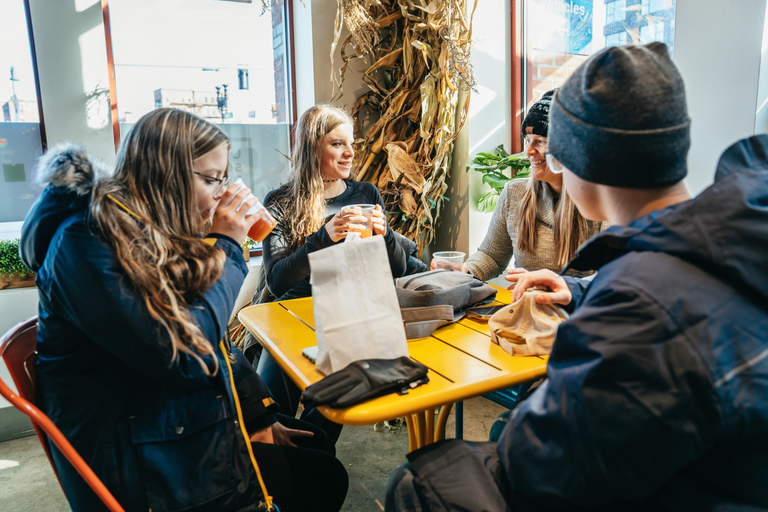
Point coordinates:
[[20, 139], [561, 34], [226, 62]]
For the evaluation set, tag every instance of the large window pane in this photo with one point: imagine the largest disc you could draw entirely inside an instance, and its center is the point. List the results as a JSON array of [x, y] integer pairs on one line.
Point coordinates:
[[560, 35], [20, 141], [223, 61]]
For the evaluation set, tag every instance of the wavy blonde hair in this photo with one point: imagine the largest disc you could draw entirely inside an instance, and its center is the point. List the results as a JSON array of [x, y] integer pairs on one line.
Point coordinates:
[[301, 206], [570, 229], [148, 214]]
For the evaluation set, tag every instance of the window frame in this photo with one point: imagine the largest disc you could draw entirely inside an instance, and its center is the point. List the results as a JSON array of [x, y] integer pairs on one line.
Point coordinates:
[[290, 75]]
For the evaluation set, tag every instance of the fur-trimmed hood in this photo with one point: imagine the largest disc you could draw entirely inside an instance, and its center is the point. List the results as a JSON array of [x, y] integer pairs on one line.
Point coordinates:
[[69, 166], [68, 174]]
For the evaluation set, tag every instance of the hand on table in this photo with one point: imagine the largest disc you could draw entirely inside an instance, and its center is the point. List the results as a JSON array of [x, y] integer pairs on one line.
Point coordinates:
[[558, 293], [230, 220]]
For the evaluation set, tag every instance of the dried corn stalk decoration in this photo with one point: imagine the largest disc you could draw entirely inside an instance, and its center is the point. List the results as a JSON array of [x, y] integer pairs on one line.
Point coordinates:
[[408, 117]]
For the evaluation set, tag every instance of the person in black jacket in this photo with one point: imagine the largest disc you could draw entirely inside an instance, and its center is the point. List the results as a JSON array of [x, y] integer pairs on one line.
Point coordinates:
[[310, 216], [308, 208], [656, 395], [134, 365]]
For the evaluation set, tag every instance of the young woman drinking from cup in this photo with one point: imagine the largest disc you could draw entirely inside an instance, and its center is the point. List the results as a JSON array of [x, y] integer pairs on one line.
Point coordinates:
[[134, 366], [534, 220]]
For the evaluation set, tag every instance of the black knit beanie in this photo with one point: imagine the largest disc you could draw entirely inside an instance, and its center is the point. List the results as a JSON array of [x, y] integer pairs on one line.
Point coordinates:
[[538, 115], [621, 119]]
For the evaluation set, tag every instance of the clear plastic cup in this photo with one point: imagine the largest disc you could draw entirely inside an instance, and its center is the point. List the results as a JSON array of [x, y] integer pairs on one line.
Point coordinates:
[[265, 223], [365, 229], [451, 260]]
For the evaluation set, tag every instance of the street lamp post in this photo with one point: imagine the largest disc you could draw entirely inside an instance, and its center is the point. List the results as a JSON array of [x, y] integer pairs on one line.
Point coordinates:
[[221, 100], [13, 88]]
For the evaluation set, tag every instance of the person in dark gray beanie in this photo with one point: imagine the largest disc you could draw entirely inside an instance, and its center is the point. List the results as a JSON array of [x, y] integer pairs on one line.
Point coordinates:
[[656, 395], [624, 104]]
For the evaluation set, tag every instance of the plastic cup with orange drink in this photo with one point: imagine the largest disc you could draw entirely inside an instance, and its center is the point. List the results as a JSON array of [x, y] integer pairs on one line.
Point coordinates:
[[265, 221], [363, 228]]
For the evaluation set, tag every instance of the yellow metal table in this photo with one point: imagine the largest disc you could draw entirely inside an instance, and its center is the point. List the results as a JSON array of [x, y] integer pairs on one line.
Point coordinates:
[[462, 362]]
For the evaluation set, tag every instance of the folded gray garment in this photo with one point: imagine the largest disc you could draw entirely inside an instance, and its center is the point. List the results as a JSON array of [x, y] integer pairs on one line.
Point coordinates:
[[421, 322], [441, 288]]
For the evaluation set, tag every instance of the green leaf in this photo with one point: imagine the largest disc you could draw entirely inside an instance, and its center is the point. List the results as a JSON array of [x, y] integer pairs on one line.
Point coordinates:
[[10, 262], [523, 174], [487, 203], [500, 150], [495, 181]]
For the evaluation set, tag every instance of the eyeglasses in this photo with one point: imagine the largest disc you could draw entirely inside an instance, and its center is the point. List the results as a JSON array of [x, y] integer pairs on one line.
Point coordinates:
[[539, 143], [553, 163], [221, 184]]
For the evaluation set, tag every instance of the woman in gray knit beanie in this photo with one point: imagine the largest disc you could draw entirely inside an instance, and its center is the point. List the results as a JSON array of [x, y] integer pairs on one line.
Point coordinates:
[[534, 220]]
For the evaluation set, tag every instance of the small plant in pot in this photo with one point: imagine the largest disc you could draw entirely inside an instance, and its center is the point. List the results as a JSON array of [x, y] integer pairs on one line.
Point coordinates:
[[13, 273], [492, 165]]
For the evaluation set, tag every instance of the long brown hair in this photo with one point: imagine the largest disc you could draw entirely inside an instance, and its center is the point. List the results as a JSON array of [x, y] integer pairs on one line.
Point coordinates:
[[570, 228], [302, 206], [148, 213]]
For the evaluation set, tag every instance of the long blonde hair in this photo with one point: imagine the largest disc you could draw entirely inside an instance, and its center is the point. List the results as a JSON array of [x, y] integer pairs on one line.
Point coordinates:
[[301, 206], [148, 214], [570, 228]]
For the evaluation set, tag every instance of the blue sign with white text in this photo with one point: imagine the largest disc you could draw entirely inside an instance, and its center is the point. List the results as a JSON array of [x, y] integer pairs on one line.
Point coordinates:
[[579, 26], [573, 33]]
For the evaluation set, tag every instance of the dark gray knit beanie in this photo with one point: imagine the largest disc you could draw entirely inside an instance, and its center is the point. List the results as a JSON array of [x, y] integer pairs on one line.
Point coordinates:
[[621, 119], [538, 115]]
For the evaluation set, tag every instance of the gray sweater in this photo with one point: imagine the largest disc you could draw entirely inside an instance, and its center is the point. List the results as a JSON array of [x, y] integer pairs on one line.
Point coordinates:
[[498, 247]]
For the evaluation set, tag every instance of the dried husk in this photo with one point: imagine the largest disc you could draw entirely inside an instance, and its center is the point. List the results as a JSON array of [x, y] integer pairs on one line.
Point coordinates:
[[420, 61]]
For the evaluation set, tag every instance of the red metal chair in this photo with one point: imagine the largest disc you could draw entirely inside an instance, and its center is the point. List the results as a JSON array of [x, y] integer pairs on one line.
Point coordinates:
[[18, 349]]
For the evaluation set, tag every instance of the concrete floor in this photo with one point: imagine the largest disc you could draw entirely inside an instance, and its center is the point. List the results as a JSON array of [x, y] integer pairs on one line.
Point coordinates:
[[27, 482]]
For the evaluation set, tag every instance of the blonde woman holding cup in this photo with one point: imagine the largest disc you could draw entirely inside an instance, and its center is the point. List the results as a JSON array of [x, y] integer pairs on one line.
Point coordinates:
[[310, 209], [319, 207]]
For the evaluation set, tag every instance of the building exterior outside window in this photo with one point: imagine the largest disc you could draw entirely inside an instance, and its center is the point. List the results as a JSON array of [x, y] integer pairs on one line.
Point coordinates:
[[20, 136], [561, 34], [223, 61]]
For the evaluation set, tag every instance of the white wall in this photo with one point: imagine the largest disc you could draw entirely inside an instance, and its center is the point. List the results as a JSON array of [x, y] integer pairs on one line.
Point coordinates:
[[718, 49], [761, 121], [17, 305], [491, 106], [314, 24], [72, 64]]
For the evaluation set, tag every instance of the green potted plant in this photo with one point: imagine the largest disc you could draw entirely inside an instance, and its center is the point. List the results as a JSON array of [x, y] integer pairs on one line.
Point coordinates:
[[13, 273], [492, 165]]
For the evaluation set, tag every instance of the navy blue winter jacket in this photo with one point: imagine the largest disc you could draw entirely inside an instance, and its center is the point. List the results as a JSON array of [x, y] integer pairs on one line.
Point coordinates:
[[657, 390], [161, 436]]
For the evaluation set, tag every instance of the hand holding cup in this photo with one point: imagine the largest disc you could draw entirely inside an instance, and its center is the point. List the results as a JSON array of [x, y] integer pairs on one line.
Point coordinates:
[[230, 217], [451, 260], [379, 221], [359, 219]]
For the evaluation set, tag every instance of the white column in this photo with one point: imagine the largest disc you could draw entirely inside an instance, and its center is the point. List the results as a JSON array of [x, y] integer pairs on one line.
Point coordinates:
[[72, 67], [718, 51]]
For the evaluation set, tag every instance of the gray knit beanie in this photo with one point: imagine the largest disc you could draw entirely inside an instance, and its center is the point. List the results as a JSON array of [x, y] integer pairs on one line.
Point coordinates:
[[537, 117], [621, 119]]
